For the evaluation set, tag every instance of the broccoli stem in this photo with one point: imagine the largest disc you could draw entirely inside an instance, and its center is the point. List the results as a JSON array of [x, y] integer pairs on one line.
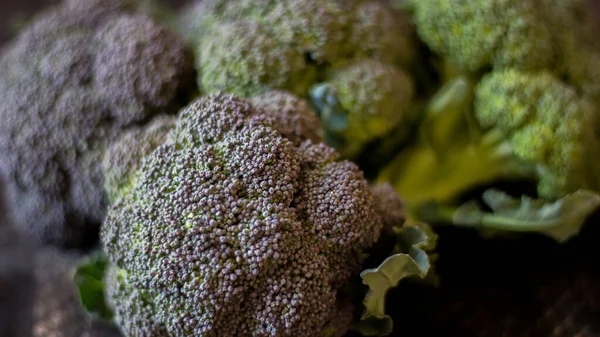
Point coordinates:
[[453, 155], [420, 174]]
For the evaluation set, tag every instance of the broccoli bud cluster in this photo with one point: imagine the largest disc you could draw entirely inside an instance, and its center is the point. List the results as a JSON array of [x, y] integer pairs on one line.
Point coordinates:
[[73, 79], [231, 229], [252, 46]]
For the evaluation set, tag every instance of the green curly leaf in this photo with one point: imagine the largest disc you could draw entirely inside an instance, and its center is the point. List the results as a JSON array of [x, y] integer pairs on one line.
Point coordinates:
[[560, 219], [89, 279], [414, 241]]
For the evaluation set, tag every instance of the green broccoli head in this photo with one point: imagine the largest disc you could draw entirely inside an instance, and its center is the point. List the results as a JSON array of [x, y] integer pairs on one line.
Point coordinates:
[[378, 32], [252, 46], [478, 34], [238, 42], [230, 229], [362, 102], [73, 79], [527, 127], [246, 57], [548, 124], [319, 29]]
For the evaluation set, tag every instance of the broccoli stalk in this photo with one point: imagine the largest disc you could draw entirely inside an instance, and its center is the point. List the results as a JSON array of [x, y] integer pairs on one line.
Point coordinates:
[[443, 156], [538, 130]]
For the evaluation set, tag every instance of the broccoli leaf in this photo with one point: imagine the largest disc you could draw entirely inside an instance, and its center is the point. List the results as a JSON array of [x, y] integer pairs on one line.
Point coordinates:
[[415, 240], [560, 219], [89, 279], [325, 101]]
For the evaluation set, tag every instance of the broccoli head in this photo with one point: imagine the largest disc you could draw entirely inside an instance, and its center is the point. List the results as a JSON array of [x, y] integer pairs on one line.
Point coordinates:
[[547, 124], [524, 124], [310, 37], [77, 76], [123, 156], [475, 35], [245, 57], [388, 204], [362, 102], [293, 116], [231, 229], [381, 33], [253, 46], [512, 125]]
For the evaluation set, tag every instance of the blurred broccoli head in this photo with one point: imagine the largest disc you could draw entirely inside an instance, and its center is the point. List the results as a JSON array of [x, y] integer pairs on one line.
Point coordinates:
[[320, 29], [380, 33], [246, 58], [363, 101], [245, 46], [483, 33], [548, 124], [72, 80], [139, 67], [511, 125], [293, 116], [230, 229]]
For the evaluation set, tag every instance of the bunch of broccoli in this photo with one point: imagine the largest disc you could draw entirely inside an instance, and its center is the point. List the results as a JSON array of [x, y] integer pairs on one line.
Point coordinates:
[[246, 211], [75, 77], [519, 101], [235, 219], [352, 58]]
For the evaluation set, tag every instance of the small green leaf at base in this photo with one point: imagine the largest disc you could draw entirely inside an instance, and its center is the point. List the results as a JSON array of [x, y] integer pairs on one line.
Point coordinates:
[[559, 219], [89, 279], [414, 241]]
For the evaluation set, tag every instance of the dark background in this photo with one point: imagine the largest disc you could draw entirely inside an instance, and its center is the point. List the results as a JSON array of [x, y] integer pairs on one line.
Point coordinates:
[[528, 287]]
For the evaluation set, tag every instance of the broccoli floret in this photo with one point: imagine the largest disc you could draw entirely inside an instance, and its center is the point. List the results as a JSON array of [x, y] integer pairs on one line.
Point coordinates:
[[533, 125], [245, 58], [388, 204], [321, 29], [252, 46], [362, 102], [379, 32], [293, 116], [131, 303], [77, 76], [519, 125], [478, 34], [124, 155], [546, 123], [139, 67], [229, 229]]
